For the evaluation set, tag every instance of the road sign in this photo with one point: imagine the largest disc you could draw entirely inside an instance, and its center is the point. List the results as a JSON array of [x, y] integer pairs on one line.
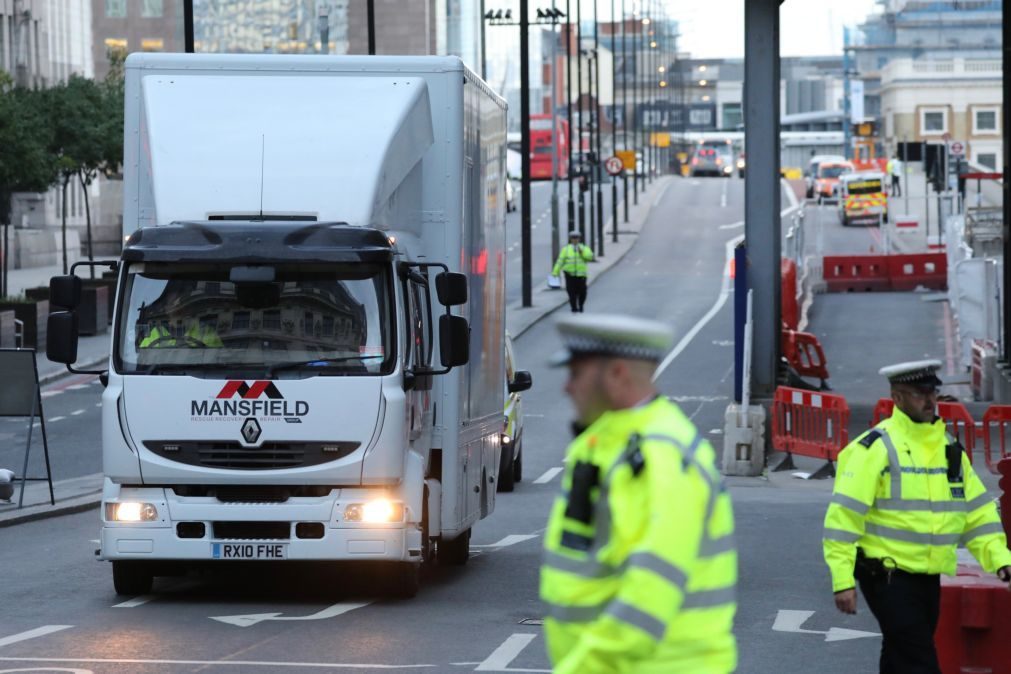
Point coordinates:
[[957, 148], [614, 166]]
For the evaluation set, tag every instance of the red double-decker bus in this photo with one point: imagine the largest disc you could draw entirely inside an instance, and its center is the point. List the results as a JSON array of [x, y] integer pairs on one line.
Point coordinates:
[[542, 145]]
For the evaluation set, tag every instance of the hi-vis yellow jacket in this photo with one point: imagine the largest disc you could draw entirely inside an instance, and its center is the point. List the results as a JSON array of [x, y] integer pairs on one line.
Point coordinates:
[[572, 260], [643, 577], [894, 500]]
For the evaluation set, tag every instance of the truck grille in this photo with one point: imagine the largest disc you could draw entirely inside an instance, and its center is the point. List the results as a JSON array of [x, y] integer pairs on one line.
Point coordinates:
[[269, 455], [252, 531]]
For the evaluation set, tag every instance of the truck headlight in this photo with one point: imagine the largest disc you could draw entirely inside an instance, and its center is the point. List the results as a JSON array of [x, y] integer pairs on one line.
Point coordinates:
[[378, 511], [130, 511]]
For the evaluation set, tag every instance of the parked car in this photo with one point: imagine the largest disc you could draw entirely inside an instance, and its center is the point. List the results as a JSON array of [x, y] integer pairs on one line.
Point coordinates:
[[811, 174], [511, 460], [826, 186], [742, 164]]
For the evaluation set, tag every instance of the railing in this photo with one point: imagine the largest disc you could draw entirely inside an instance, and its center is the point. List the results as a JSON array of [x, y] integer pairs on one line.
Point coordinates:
[[904, 68]]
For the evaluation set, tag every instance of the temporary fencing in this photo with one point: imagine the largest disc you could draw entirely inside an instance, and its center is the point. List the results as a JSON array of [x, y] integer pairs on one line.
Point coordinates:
[[995, 420], [860, 273], [803, 352], [788, 295], [809, 423]]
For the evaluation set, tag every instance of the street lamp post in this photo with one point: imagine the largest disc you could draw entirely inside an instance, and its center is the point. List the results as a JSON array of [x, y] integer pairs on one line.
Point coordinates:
[[571, 211], [579, 109], [554, 139], [592, 121], [624, 104], [614, 127], [598, 178]]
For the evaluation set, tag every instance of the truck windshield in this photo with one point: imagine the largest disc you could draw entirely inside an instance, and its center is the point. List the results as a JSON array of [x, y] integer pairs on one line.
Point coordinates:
[[180, 318]]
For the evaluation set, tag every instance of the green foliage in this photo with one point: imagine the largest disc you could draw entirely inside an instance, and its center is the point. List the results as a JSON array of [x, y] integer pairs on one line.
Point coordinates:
[[25, 162]]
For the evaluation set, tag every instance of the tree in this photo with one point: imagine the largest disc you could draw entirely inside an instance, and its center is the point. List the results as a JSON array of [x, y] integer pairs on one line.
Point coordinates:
[[76, 118], [25, 164]]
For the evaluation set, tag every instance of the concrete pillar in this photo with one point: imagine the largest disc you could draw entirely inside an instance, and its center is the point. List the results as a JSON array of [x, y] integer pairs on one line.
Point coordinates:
[[762, 193]]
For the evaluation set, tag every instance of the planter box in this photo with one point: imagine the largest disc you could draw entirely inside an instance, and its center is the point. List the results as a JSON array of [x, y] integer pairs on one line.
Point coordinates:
[[34, 315], [93, 312], [7, 329]]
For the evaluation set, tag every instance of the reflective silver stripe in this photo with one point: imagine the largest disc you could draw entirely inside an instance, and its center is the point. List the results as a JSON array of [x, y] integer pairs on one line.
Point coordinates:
[[982, 530], [588, 568], [911, 536], [916, 470], [978, 502], [629, 614], [840, 535], [710, 598], [573, 614], [850, 503], [924, 505], [893, 464], [576, 541], [710, 547], [661, 567]]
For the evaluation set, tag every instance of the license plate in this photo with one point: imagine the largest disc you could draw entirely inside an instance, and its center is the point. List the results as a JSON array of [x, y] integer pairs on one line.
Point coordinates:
[[249, 550]]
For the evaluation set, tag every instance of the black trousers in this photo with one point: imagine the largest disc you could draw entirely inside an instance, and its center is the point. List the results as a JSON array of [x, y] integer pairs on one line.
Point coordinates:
[[575, 286], [907, 608], [896, 186]]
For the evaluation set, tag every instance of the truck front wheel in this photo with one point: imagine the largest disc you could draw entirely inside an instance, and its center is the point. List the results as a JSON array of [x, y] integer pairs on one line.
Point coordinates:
[[404, 580], [506, 469], [131, 578]]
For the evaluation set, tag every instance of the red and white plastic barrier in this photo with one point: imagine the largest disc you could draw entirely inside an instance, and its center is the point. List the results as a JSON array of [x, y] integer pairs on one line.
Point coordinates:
[[861, 273], [809, 423]]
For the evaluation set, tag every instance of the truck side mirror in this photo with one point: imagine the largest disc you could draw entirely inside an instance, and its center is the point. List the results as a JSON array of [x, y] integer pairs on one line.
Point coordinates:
[[62, 336], [522, 381], [65, 292], [451, 288], [454, 340]]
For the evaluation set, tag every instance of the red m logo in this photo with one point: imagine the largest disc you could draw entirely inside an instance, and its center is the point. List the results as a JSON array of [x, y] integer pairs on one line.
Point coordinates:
[[244, 390]]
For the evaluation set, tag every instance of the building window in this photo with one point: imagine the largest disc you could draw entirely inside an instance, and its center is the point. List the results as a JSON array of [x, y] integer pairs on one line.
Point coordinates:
[[933, 122], [987, 159], [732, 117], [115, 9], [272, 320], [984, 121], [151, 9], [240, 320], [152, 44]]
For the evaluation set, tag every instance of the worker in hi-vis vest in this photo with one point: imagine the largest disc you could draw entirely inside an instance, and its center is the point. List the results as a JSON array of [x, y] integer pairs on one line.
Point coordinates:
[[640, 565], [572, 261], [905, 497]]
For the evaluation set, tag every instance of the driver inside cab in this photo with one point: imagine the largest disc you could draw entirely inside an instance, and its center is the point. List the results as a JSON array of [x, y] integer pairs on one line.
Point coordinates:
[[200, 335]]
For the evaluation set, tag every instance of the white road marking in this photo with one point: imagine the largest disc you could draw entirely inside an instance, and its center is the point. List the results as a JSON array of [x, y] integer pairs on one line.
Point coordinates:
[[791, 621], [534, 416], [231, 663], [56, 419], [697, 399], [720, 301], [549, 475], [50, 394], [98, 404], [32, 634], [500, 658], [723, 194], [511, 539], [136, 601], [715, 309], [76, 413], [77, 387], [254, 618], [733, 225]]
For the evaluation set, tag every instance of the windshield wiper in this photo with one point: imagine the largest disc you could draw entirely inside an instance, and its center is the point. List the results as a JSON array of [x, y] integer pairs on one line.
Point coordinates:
[[316, 362]]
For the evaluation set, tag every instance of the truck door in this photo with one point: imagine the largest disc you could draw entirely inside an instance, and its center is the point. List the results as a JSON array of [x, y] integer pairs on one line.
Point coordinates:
[[418, 357]]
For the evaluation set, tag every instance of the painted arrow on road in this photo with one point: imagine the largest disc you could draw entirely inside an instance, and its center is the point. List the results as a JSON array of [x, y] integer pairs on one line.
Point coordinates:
[[255, 618], [791, 621]]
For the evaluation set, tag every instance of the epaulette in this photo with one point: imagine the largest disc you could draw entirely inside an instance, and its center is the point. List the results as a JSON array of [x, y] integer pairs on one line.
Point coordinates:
[[870, 438]]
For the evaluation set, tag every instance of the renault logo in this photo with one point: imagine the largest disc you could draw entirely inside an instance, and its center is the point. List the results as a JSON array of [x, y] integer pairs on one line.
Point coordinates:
[[251, 430]]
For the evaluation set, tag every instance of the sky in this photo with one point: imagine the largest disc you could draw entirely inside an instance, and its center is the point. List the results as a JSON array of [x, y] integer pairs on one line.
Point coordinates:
[[715, 28]]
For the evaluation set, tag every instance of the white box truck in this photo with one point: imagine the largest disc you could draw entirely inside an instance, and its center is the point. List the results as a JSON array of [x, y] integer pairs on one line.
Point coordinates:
[[307, 360]]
